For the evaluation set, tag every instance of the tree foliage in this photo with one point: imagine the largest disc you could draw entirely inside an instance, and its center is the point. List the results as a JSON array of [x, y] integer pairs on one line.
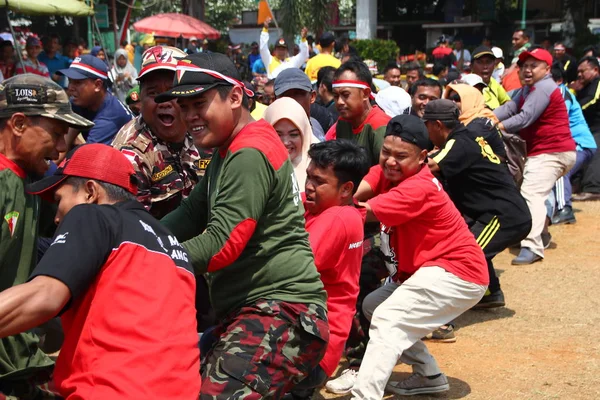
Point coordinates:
[[381, 51], [314, 14]]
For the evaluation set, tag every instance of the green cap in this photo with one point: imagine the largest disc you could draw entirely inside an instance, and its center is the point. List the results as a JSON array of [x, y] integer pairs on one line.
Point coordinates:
[[34, 95], [133, 96]]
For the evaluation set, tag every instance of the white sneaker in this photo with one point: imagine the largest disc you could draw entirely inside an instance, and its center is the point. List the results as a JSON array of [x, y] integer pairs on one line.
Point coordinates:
[[344, 383]]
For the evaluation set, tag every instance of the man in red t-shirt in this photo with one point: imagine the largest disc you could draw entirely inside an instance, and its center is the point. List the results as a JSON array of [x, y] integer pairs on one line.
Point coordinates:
[[335, 229], [439, 270], [121, 281]]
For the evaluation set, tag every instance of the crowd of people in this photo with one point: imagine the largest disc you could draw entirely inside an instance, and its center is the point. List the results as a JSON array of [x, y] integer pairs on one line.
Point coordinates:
[[220, 226]]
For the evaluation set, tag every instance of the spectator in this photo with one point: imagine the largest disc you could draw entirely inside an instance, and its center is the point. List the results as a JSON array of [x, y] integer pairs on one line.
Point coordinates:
[[279, 62], [254, 55], [257, 217], [325, 91], [359, 121], [461, 54], [325, 57], [588, 76], [439, 73], [591, 51], [291, 124], [53, 59], [293, 83], [443, 54], [520, 43], [586, 148], [498, 64], [392, 74], [192, 46], [33, 47], [539, 114], [88, 79], [98, 52], [7, 61], [393, 100], [484, 62], [106, 253], [133, 101], [335, 228], [268, 95], [567, 62], [414, 72], [31, 134], [123, 75], [422, 92]]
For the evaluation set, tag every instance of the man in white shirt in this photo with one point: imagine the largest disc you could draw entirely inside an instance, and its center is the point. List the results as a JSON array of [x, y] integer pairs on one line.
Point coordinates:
[[274, 65]]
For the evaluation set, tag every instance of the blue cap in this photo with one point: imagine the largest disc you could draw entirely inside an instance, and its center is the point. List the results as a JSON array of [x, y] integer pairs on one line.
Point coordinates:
[[86, 67], [292, 78]]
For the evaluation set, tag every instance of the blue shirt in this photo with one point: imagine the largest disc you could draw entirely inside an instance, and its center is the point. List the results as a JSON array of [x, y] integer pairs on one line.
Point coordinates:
[[108, 120], [579, 128], [259, 67], [252, 58], [54, 64]]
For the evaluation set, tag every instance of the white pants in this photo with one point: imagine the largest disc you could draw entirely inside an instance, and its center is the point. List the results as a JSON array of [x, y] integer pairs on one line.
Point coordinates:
[[428, 299], [540, 174]]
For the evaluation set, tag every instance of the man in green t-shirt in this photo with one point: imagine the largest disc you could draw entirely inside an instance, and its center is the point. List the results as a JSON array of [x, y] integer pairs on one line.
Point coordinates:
[[243, 225], [35, 114]]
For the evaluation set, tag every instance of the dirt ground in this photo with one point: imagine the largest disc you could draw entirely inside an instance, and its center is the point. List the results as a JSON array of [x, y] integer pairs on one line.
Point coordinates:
[[543, 344]]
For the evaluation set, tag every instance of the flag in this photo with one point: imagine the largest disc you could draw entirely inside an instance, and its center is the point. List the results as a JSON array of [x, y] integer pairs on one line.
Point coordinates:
[[264, 12]]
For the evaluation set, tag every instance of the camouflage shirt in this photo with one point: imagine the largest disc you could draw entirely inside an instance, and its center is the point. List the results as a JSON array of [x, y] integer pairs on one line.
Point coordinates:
[[167, 173]]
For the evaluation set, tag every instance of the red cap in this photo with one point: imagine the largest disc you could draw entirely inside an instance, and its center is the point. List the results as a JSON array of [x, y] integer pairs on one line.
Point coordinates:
[[93, 161], [538, 54]]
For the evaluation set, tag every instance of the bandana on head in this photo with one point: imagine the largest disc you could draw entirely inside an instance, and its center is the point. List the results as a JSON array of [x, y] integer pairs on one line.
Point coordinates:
[[352, 84]]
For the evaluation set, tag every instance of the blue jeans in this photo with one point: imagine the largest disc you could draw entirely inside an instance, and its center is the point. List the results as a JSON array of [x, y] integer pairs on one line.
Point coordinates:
[[562, 188]]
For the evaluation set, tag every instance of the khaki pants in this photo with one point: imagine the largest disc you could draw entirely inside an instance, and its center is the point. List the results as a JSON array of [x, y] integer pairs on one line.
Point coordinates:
[[540, 174], [428, 299]]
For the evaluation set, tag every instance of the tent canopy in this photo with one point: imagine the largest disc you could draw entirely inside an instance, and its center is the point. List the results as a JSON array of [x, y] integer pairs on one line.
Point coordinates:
[[175, 25], [75, 8]]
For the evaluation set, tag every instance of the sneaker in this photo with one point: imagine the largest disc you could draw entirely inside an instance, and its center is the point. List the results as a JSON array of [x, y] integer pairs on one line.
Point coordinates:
[[546, 239], [526, 257], [564, 216], [419, 384], [443, 334], [491, 300], [344, 383]]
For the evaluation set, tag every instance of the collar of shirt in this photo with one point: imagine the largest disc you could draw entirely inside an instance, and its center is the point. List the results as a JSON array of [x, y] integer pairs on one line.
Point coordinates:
[[142, 127]]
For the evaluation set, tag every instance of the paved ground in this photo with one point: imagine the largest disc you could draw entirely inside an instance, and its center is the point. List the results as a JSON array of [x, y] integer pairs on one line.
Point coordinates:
[[543, 345]]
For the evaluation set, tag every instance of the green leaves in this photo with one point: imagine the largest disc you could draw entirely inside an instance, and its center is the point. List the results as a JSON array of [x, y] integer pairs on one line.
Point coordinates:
[[381, 51]]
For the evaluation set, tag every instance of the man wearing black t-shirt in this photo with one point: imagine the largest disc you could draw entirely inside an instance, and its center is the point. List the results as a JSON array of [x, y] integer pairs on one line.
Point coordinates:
[[122, 283], [479, 185]]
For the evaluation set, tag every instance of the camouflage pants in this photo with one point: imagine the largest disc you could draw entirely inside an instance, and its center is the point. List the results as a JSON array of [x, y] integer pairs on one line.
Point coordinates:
[[263, 350]]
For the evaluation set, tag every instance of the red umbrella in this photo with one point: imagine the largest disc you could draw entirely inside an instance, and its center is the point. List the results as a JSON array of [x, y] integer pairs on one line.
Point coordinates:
[[175, 25]]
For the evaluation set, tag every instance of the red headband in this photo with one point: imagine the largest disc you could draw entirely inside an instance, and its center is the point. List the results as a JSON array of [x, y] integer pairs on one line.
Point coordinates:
[[352, 84]]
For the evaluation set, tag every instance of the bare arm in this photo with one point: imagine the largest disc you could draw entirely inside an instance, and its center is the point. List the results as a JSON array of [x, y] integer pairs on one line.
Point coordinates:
[[364, 191], [26, 306], [370, 216]]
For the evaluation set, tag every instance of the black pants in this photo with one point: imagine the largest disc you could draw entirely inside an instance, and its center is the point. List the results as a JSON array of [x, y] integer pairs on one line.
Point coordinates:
[[591, 176], [494, 238]]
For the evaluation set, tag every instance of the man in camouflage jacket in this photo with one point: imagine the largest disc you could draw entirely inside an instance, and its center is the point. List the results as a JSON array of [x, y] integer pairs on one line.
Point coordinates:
[[163, 154]]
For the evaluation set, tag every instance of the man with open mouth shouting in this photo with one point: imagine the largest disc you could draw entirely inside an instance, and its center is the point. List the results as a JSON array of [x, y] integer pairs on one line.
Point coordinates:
[[163, 154]]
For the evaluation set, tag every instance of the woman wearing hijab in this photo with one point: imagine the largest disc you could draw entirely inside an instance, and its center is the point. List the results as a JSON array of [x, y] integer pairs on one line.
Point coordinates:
[[123, 75], [293, 127], [98, 52], [475, 115]]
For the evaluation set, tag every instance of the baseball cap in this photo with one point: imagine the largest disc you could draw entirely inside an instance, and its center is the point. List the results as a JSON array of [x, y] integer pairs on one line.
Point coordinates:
[[481, 51], [292, 78], [200, 72], [441, 110], [327, 39], [34, 95], [472, 79], [538, 54], [93, 161], [410, 128], [193, 39], [281, 43], [160, 58], [498, 53], [86, 67], [133, 96], [33, 41]]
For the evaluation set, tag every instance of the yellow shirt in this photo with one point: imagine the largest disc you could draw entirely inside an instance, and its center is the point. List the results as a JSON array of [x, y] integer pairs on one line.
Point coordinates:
[[319, 61], [494, 95], [259, 110]]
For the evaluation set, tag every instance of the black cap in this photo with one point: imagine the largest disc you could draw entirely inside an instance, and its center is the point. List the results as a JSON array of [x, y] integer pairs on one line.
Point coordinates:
[[281, 43], [481, 51], [410, 129], [200, 72], [327, 39], [441, 110]]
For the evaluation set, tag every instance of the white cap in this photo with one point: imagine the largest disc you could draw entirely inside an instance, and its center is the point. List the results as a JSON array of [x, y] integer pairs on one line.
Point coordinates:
[[393, 100], [497, 52], [472, 79]]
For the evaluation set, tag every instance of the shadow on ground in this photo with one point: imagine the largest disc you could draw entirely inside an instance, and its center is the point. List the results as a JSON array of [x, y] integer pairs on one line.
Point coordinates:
[[473, 317]]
